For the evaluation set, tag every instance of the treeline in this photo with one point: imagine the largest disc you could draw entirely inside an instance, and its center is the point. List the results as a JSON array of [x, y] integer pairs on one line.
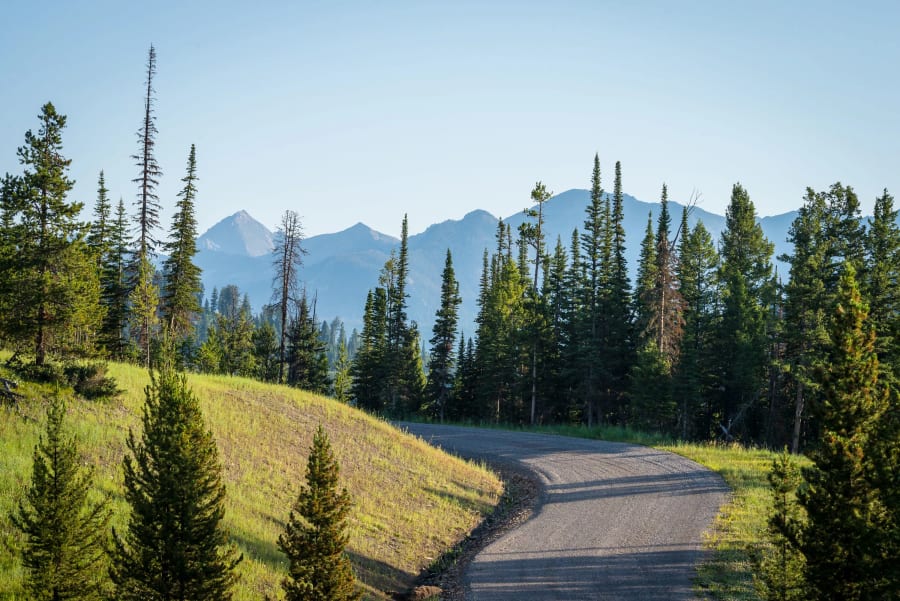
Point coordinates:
[[74, 290], [709, 341]]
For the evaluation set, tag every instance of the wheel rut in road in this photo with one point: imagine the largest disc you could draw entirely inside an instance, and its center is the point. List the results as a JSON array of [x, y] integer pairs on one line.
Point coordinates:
[[614, 520]]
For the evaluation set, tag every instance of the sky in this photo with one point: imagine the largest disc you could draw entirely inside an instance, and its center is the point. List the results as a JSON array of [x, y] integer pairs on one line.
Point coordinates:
[[366, 111]]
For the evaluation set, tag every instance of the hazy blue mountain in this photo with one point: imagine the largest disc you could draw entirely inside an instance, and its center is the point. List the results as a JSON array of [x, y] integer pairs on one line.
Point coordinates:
[[340, 268]]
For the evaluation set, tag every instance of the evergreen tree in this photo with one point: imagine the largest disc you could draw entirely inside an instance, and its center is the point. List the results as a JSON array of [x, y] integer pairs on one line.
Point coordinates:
[[144, 320], [592, 318], [619, 348], [99, 238], [181, 277], [807, 302], [306, 360], [147, 217], [745, 274], [234, 332], [343, 381], [845, 508], [882, 282], [646, 279], [441, 365], [781, 566], [174, 547], [265, 352], [665, 301], [695, 377], [65, 533], [288, 258], [49, 285], [368, 370], [315, 535], [114, 287]]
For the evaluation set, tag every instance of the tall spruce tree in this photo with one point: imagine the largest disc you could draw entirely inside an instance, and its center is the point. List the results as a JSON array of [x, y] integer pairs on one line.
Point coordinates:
[[807, 303], [65, 531], [697, 283], [315, 534], [593, 315], [532, 235], [847, 515], [619, 347], [144, 303], [181, 277], [114, 291], [174, 547], [368, 370], [745, 274], [99, 238], [441, 365]]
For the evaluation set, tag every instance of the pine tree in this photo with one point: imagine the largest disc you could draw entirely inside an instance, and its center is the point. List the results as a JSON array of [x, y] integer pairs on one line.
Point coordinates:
[[181, 277], [697, 283], [368, 370], [114, 291], [174, 547], [846, 510], [147, 217], [745, 274], [234, 333], [441, 365], [315, 535], [144, 320], [781, 565], [619, 348], [306, 360], [646, 279], [288, 258], [882, 282], [343, 381], [265, 352], [807, 302], [49, 285], [99, 238], [594, 303], [65, 532]]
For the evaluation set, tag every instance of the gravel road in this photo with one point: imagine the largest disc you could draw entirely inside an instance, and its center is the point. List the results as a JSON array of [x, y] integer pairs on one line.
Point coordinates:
[[614, 521]]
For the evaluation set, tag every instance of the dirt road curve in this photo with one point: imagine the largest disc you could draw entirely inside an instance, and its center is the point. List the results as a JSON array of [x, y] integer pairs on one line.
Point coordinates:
[[615, 521]]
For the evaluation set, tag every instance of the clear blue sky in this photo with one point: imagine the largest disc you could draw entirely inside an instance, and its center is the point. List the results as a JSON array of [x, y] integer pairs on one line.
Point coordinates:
[[364, 111]]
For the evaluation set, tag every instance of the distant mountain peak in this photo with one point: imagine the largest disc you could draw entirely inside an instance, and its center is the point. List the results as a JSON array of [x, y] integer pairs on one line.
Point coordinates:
[[238, 234]]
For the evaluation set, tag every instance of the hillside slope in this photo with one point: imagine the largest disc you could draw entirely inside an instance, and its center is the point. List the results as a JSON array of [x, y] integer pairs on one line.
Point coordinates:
[[411, 501]]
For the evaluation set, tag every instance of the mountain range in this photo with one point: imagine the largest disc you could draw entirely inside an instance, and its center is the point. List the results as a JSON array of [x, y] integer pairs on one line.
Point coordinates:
[[340, 268]]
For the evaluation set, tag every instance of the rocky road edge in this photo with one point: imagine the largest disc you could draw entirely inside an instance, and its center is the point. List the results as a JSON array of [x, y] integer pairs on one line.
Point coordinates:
[[445, 577]]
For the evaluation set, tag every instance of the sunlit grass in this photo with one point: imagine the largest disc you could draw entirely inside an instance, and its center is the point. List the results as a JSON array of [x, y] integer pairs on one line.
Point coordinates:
[[412, 502]]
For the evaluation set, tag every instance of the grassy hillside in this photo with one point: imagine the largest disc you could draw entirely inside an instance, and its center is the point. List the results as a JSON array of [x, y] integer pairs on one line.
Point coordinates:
[[411, 501]]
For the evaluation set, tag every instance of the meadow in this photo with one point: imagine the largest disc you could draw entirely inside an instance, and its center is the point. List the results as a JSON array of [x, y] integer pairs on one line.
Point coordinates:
[[411, 502]]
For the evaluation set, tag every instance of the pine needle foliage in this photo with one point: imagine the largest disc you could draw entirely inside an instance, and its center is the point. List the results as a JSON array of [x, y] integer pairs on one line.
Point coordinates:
[[315, 535], [174, 547], [65, 532]]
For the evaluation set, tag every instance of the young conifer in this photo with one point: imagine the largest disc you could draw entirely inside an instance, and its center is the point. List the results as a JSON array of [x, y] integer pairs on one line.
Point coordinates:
[[315, 535], [65, 533], [174, 547]]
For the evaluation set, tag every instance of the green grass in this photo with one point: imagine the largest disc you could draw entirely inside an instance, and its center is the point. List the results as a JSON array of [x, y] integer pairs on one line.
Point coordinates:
[[728, 573], [412, 502]]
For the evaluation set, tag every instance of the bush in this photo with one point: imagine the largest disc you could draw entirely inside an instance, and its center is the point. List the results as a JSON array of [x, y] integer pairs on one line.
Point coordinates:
[[90, 380]]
